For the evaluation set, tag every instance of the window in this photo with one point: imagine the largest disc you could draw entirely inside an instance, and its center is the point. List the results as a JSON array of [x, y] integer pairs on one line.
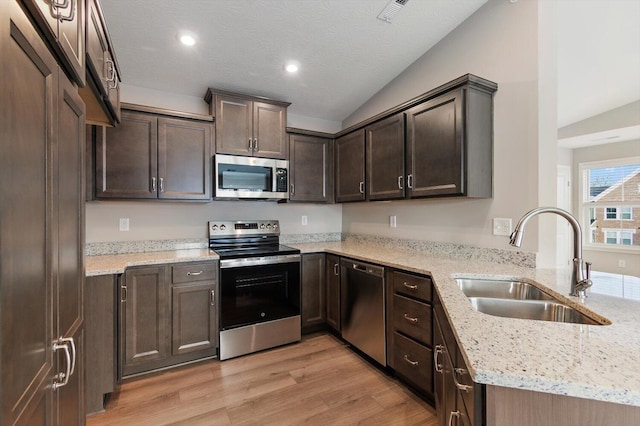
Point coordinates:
[[610, 203]]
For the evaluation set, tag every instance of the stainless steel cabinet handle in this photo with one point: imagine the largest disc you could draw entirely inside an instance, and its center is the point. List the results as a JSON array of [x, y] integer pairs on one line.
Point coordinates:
[[412, 320], [153, 184], [72, 344], [460, 371], [194, 274], [452, 415], [112, 76], [212, 297], [400, 182], [161, 184], [63, 5], [436, 353], [123, 293], [410, 181], [293, 189], [410, 361], [255, 144], [250, 145], [362, 187], [61, 379], [335, 269], [410, 286]]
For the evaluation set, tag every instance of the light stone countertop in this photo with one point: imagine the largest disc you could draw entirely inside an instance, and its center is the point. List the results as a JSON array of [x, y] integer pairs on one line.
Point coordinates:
[[585, 361]]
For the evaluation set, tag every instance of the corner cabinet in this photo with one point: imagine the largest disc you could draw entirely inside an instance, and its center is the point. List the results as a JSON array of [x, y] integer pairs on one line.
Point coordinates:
[[310, 167], [249, 125], [167, 316], [153, 156], [349, 167]]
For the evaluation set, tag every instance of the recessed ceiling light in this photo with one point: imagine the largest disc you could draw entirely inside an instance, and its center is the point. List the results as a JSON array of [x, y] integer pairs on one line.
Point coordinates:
[[187, 38], [291, 67]]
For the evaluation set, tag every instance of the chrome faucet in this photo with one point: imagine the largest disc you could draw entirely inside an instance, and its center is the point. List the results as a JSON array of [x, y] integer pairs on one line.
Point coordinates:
[[580, 280]]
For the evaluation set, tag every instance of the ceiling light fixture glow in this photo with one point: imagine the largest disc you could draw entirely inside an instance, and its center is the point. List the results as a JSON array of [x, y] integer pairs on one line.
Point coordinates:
[[291, 68], [187, 38]]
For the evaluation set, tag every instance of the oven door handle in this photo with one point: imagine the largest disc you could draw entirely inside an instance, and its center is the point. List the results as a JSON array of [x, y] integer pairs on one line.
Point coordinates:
[[257, 261]]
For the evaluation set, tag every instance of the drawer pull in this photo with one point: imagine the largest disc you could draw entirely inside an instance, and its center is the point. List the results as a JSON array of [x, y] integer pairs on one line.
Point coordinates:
[[462, 372], [412, 320], [452, 415], [410, 361], [194, 274], [410, 286]]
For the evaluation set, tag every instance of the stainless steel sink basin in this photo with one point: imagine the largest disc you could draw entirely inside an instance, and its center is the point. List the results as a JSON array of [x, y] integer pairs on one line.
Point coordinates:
[[530, 309], [518, 299], [499, 289]]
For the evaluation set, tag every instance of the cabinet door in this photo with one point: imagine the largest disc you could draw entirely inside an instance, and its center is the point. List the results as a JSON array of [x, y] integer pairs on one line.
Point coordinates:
[[127, 159], [28, 92], [234, 133], [313, 289], [194, 325], [349, 166], [385, 159], [269, 124], [144, 318], [435, 157], [310, 169], [97, 45], [112, 98], [445, 390], [70, 255], [184, 159], [333, 291]]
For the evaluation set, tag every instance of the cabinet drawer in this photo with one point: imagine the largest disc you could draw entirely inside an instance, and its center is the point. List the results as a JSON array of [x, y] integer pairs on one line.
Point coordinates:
[[412, 318], [413, 286], [413, 362], [189, 272]]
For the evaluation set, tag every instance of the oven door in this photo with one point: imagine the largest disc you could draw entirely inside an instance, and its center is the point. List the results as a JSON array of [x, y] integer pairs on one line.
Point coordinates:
[[261, 289]]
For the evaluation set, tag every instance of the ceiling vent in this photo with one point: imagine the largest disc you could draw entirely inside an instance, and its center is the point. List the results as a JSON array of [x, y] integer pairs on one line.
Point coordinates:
[[391, 10]]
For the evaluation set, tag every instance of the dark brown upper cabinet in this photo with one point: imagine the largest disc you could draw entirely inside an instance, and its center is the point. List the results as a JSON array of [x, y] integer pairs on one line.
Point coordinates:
[[151, 156], [63, 26], [450, 145], [102, 93], [385, 159], [249, 125], [310, 168], [349, 164]]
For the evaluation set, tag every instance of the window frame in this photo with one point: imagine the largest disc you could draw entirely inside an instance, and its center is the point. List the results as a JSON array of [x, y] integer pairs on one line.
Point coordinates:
[[584, 215]]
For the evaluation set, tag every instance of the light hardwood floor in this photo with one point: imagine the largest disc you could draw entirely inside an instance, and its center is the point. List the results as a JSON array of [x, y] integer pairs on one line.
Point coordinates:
[[317, 382]]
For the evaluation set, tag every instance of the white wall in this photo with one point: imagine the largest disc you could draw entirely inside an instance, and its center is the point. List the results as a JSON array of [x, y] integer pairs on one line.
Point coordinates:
[[172, 220], [499, 42], [606, 261]]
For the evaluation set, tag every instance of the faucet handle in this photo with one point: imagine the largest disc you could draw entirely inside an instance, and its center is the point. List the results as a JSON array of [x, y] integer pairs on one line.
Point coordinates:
[[588, 270]]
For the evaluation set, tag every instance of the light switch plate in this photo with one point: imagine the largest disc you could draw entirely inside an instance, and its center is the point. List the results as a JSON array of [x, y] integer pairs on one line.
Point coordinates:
[[124, 223], [501, 226], [393, 221], [304, 220]]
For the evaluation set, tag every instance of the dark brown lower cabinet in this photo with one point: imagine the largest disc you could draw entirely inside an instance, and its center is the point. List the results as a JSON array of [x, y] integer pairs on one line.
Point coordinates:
[[312, 291], [168, 315], [333, 291], [41, 230]]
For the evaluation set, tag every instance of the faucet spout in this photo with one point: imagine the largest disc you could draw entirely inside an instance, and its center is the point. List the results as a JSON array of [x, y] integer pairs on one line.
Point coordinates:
[[579, 283]]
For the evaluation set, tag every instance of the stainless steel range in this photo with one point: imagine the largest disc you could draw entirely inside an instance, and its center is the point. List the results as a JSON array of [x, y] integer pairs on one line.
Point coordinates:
[[259, 286]]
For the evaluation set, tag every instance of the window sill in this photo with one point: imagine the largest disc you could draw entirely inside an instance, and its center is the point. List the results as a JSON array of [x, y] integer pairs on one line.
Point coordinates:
[[621, 250]]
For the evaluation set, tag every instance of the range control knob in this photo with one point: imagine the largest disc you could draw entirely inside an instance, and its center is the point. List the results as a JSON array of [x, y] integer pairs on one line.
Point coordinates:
[[262, 226], [275, 226], [223, 227], [214, 228], [268, 226]]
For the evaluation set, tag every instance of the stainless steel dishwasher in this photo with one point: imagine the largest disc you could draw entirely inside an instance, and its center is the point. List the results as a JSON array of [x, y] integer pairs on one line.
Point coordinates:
[[363, 308]]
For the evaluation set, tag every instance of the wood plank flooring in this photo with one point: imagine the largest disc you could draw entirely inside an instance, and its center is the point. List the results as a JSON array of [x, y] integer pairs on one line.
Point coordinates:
[[316, 382]]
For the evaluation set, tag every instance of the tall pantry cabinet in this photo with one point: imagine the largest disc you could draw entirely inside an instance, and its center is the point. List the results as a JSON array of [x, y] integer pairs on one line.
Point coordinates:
[[42, 121]]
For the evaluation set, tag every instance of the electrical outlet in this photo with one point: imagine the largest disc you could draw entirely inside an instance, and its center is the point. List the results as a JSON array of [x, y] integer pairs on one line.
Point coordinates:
[[622, 263], [393, 221], [501, 226], [304, 220], [124, 223]]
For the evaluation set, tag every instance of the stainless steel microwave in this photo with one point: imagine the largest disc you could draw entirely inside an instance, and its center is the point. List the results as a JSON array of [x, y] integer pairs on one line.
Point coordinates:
[[238, 177]]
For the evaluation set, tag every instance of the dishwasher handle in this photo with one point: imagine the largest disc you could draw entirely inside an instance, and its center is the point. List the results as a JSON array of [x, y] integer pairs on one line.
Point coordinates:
[[365, 268]]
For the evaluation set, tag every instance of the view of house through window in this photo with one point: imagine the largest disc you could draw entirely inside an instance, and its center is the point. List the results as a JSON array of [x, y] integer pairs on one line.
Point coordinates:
[[611, 203]]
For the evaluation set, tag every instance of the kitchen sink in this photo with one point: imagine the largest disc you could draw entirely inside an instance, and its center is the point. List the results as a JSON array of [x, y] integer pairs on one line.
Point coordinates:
[[500, 289], [518, 299], [541, 310]]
